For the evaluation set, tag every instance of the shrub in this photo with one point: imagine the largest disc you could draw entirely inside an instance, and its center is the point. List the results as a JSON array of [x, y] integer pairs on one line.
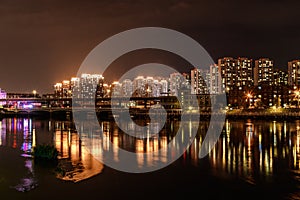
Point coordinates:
[[45, 152]]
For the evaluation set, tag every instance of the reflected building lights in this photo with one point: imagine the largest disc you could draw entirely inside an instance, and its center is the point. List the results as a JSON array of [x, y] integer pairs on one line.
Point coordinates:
[[246, 149], [237, 153], [116, 147]]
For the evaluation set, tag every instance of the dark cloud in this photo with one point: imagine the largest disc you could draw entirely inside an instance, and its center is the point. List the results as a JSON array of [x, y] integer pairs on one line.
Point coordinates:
[[45, 41]]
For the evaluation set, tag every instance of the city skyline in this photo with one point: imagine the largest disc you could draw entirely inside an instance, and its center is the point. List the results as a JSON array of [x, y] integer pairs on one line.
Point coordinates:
[[143, 71], [247, 83], [42, 43], [106, 99]]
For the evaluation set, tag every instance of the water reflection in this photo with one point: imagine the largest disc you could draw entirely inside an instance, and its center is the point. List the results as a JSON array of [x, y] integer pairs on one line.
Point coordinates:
[[25, 133], [151, 152], [76, 161], [256, 150], [19, 134], [252, 150]]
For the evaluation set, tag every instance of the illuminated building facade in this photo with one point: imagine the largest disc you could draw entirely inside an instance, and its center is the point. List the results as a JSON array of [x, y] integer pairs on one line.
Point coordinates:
[[263, 71], [3, 94], [236, 79], [236, 73], [175, 82], [280, 77], [89, 84], [75, 86], [294, 72], [127, 88], [164, 87], [215, 80], [116, 89], [139, 86], [200, 80]]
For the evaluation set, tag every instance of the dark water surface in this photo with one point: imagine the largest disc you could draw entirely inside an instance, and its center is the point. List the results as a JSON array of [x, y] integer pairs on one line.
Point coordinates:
[[252, 158]]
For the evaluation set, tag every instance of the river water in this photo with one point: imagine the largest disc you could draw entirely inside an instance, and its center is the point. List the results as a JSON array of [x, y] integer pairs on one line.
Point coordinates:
[[252, 158]]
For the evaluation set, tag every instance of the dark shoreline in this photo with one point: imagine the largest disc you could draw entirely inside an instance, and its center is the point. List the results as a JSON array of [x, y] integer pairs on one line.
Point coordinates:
[[106, 115]]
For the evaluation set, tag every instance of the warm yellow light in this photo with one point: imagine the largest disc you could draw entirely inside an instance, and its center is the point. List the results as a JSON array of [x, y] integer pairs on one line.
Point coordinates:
[[249, 95]]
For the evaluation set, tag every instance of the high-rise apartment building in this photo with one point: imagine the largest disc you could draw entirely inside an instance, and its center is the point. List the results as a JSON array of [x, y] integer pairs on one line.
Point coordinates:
[[280, 77], [127, 88], [215, 80], [264, 72], [200, 80], [294, 72], [89, 84], [236, 79], [176, 80], [236, 73]]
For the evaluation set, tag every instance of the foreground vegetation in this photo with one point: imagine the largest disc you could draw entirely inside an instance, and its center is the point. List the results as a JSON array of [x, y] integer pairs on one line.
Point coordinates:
[[45, 153]]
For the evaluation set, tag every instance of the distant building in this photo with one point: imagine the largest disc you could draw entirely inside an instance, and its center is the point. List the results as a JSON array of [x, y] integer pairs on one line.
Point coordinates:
[[156, 88], [187, 81], [75, 87], [58, 90], [127, 88], [236, 79], [200, 81], [294, 72], [266, 95], [236, 73], [244, 69], [175, 82], [116, 88], [14, 95], [3, 94], [263, 71], [215, 80], [63, 89], [66, 89], [89, 84], [226, 67], [280, 77], [164, 87], [139, 86]]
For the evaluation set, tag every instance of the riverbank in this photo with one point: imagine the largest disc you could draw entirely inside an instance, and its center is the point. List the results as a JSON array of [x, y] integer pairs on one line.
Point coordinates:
[[106, 114], [264, 114]]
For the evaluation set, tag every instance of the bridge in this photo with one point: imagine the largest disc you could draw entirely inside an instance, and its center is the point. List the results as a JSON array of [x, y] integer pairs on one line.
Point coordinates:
[[139, 106], [67, 101]]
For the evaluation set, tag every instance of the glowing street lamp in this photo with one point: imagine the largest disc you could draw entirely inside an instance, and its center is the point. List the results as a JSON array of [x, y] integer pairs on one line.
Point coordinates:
[[34, 93], [249, 96], [108, 92]]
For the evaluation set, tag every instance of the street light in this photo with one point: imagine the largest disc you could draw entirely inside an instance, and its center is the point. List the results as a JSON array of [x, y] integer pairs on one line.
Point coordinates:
[[249, 97], [34, 93], [108, 92]]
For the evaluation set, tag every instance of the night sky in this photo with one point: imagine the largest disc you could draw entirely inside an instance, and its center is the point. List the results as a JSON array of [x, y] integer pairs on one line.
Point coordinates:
[[45, 41]]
